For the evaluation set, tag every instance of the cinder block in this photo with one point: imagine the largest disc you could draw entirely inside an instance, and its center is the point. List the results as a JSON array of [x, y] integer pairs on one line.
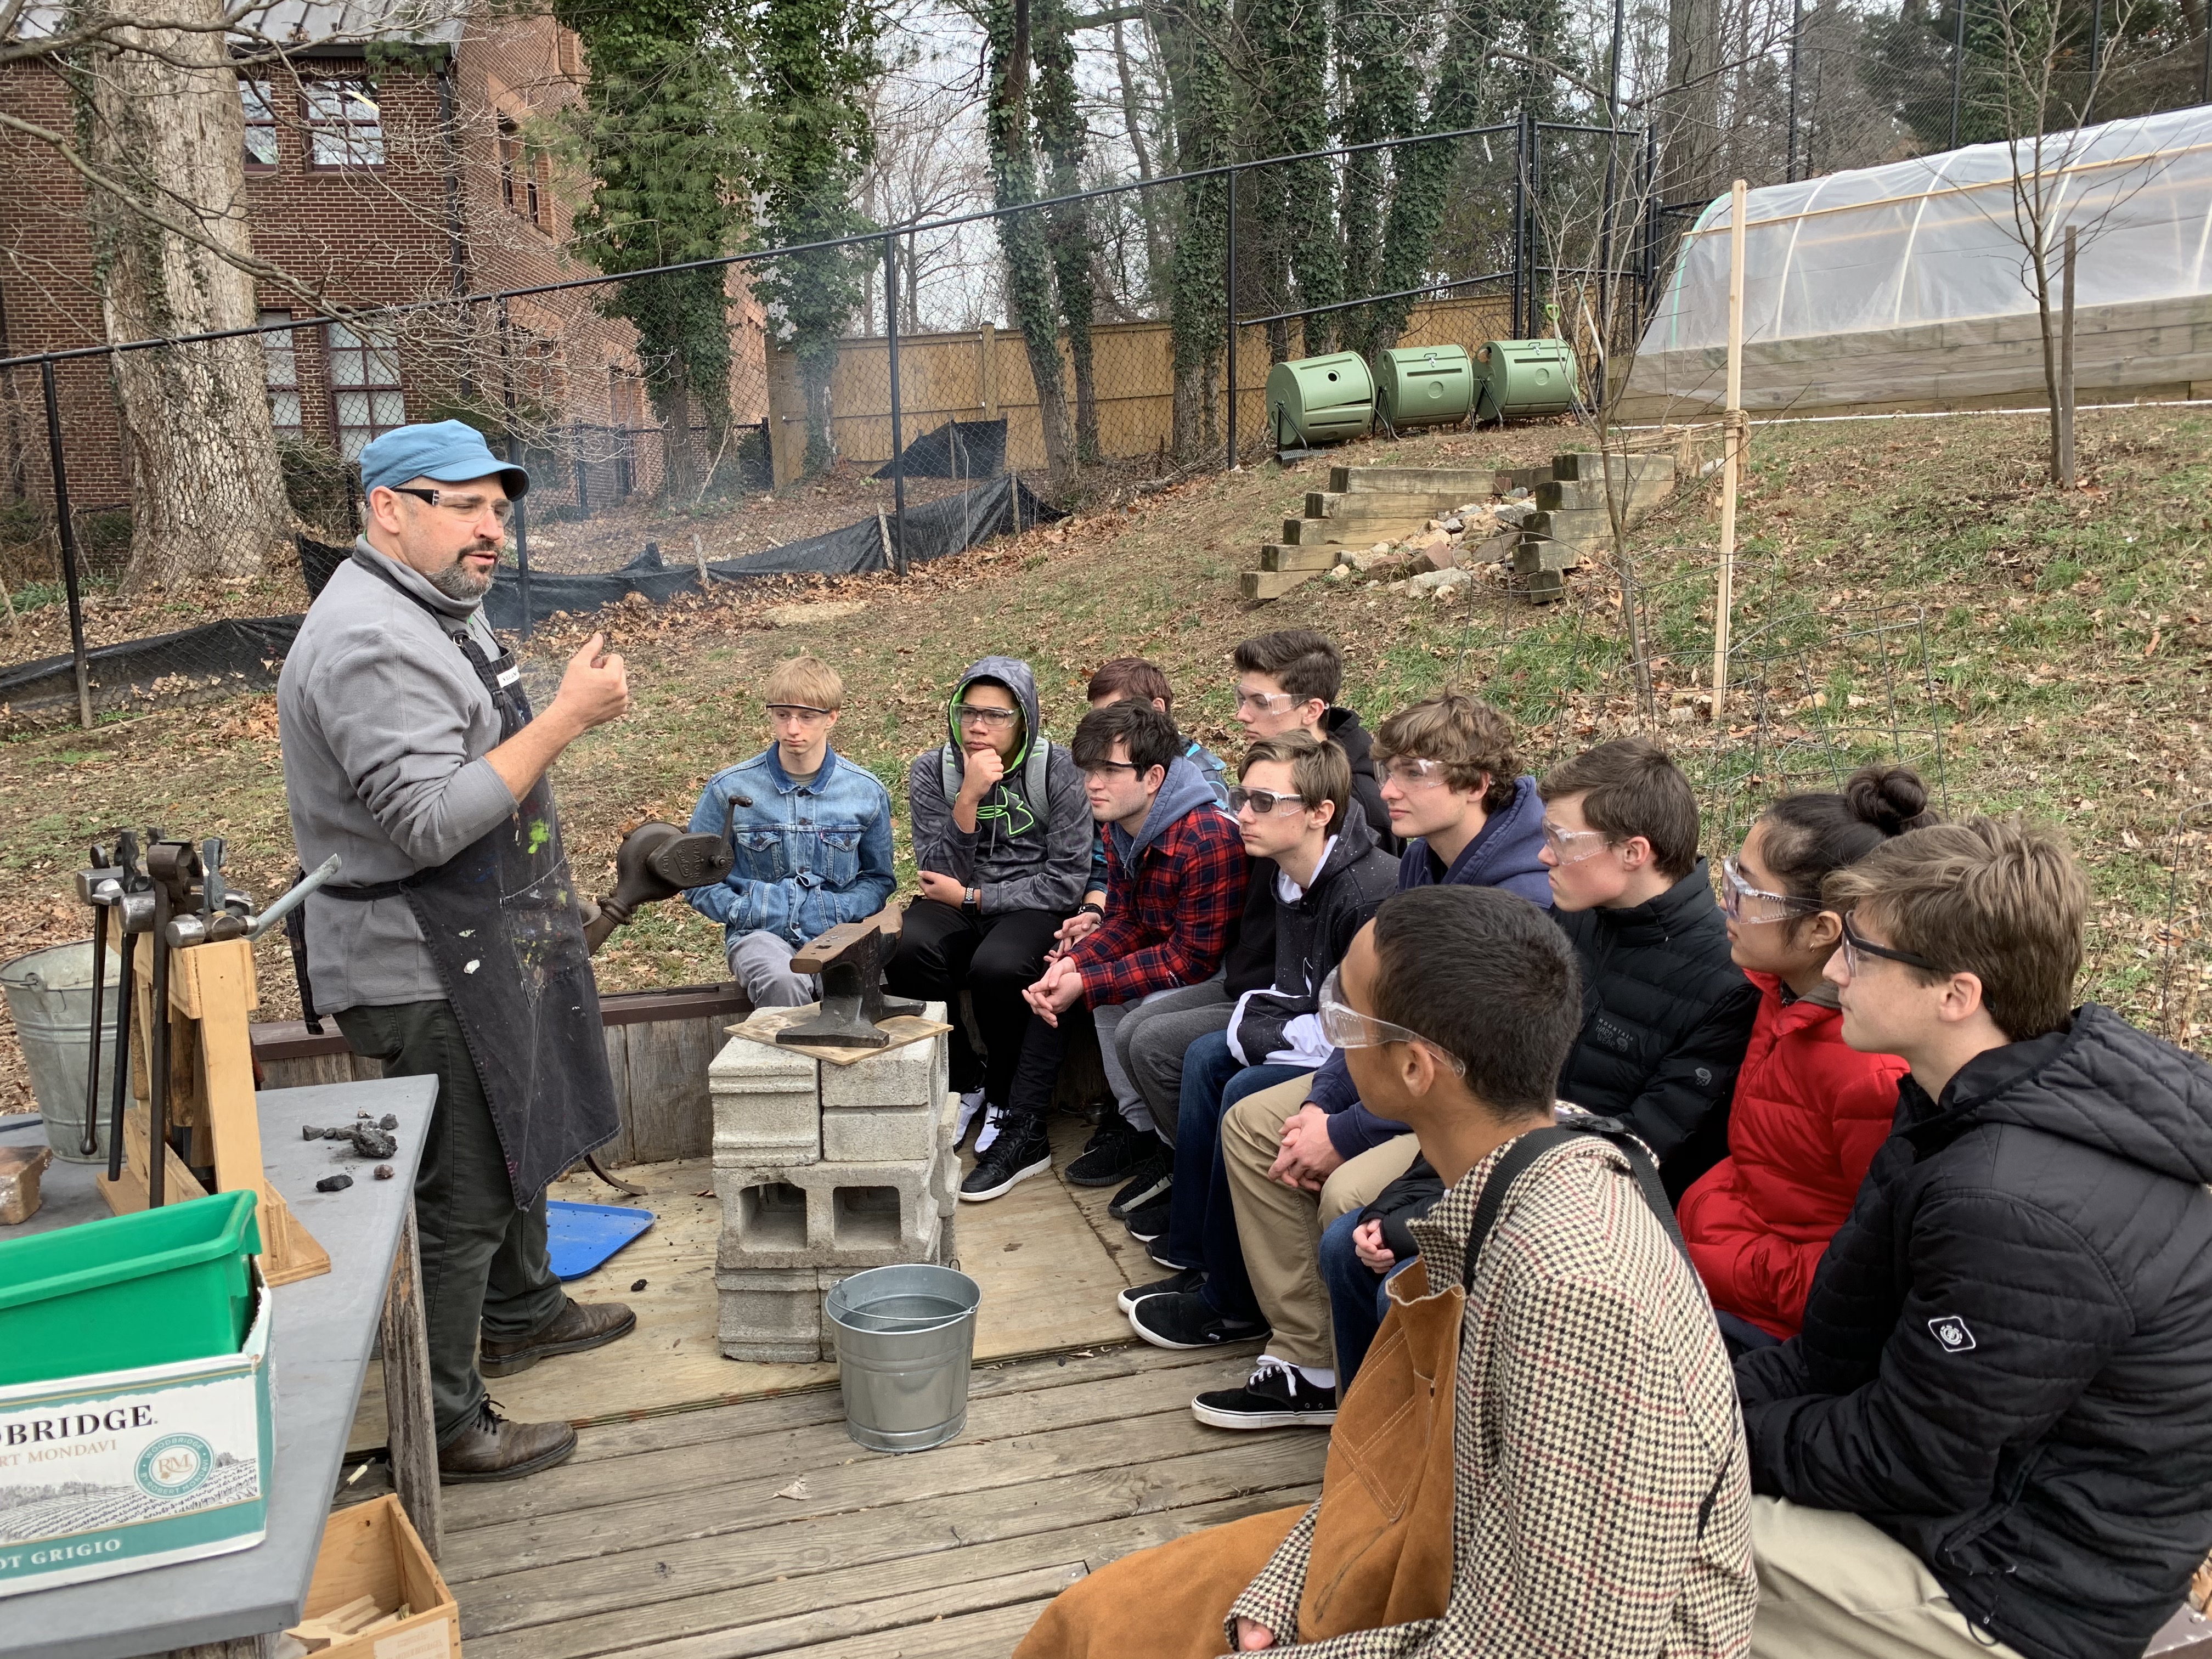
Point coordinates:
[[773, 1316], [768, 1105], [878, 1134], [897, 1077], [1532, 554], [855, 1215], [948, 1255]]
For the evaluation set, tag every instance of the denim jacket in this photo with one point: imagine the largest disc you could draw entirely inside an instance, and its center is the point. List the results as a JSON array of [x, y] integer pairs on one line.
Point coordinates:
[[809, 855]]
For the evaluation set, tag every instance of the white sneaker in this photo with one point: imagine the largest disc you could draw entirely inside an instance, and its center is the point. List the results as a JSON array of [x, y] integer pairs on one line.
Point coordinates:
[[970, 1103], [989, 1132]]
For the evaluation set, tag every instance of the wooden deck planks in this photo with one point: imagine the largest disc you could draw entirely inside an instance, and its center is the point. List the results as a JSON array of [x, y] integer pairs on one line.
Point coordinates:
[[671, 1541]]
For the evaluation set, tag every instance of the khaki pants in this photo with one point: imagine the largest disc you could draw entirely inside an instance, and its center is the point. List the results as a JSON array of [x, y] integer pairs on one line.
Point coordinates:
[[1830, 1586], [1279, 1227]]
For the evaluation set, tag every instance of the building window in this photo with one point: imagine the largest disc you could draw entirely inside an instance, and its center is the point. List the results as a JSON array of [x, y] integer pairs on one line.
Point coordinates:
[[260, 123], [364, 388], [519, 164], [345, 127], [280, 367]]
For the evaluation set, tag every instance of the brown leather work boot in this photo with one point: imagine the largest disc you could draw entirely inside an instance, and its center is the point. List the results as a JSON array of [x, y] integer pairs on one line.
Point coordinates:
[[579, 1326], [493, 1449]]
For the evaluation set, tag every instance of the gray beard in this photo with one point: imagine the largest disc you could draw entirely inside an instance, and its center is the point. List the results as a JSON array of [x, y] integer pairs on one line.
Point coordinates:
[[458, 581]]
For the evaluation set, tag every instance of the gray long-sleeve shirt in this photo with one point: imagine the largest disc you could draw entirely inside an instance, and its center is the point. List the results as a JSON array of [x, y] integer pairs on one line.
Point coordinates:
[[384, 726]]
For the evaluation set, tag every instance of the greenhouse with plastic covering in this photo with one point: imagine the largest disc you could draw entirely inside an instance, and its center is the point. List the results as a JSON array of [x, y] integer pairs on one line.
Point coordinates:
[[1908, 285]]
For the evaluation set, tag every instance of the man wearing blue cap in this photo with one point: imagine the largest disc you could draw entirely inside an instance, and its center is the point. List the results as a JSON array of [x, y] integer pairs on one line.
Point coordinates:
[[455, 949]]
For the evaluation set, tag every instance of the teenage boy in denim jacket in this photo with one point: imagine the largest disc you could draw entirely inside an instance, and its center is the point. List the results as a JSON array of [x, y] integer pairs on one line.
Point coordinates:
[[812, 834]]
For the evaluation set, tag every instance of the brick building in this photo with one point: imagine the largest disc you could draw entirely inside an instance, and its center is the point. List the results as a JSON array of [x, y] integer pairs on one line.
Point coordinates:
[[405, 174]]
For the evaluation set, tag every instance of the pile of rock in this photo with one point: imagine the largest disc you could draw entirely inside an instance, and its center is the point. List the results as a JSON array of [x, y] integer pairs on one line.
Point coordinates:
[[823, 1169]]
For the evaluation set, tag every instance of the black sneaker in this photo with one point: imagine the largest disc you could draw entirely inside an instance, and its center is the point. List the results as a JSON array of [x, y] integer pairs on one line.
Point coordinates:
[[1116, 1152], [1019, 1150], [1149, 1188], [1277, 1397], [1174, 1285], [1185, 1321], [1150, 1222]]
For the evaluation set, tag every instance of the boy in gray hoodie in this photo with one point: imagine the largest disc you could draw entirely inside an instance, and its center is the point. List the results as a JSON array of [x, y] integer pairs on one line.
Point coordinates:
[[1002, 841]]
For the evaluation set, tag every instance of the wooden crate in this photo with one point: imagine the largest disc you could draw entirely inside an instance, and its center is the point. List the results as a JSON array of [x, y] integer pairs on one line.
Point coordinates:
[[371, 1549]]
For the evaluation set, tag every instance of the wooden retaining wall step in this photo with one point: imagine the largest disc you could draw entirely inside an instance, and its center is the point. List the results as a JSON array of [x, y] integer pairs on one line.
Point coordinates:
[[1357, 531], [1270, 583], [1275, 556], [1410, 503], [1463, 483]]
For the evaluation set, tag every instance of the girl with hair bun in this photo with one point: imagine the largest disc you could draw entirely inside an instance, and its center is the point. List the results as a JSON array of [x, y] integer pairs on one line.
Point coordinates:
[[1810, 1111]]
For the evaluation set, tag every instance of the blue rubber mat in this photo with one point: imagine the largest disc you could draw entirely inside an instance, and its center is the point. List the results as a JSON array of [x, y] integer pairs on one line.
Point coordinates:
[[580, 1236]]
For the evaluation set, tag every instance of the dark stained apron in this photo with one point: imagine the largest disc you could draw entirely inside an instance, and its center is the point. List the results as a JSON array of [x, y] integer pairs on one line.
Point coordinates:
[[501, 922]]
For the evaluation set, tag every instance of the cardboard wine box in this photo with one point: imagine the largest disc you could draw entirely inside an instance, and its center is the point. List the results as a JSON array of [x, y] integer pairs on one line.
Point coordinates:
[[121, 1471]]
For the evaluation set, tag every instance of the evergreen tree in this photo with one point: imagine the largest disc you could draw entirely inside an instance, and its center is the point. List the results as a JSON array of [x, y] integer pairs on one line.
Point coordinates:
[[809, 58], [665, 135]]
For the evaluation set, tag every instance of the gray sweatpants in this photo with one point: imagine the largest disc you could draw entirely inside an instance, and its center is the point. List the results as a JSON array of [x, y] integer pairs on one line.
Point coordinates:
[[760, 962], [1149, 1043]]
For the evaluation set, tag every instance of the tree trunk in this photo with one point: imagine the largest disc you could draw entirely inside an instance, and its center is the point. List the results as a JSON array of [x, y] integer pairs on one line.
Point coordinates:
[[1021, 235], [1689, 112], [1198, 83], [1156, 253], [680, 471], [1060, 125], [207, 493]]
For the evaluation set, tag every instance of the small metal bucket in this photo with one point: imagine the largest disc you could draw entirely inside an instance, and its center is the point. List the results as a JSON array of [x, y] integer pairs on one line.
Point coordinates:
[[905, 1338], [49, 995]]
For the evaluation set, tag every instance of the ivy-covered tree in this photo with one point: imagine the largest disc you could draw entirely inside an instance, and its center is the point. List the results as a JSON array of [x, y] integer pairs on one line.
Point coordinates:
[[1060, 130], [1029, 297], [1288, 105], [809, 58], [1382, 100], [1198, 84], [665, 137]]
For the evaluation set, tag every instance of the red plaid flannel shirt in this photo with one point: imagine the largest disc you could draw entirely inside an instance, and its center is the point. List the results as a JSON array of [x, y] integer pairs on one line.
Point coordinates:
[[1169, 925]]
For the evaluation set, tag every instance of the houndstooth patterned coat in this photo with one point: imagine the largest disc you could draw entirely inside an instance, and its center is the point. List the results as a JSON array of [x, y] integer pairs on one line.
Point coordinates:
[[1601, 1502]]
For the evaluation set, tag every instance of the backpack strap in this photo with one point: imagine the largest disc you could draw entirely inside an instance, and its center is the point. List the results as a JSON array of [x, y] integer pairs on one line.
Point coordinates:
[[948, 772], [1037, 775]]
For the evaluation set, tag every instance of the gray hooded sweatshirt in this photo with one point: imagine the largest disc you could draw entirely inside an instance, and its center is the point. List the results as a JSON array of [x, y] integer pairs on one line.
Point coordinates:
[[1024, 855]]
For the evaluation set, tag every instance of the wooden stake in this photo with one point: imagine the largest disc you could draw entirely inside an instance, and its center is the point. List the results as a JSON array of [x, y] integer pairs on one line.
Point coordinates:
[[1732, 438], [2066, 370], [413, 1430], [699, 557]]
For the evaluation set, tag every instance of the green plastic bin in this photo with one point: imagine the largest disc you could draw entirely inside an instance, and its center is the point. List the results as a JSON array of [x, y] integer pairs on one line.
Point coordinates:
[[150, 1289], [1424, 386], [1516, 378], [1320, 400]]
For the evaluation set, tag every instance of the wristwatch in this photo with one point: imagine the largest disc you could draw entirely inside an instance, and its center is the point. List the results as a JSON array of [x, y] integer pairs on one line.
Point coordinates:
[[971, 900]]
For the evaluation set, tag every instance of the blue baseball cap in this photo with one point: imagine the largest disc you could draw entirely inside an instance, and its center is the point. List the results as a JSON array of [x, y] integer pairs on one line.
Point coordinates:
[[446, 452]]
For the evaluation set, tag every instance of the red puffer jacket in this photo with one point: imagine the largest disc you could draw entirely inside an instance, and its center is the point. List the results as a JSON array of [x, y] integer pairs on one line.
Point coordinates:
[[1809, 1113]]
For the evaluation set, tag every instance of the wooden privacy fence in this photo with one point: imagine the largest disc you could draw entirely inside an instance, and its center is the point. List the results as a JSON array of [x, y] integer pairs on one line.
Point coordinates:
[[984, 373]]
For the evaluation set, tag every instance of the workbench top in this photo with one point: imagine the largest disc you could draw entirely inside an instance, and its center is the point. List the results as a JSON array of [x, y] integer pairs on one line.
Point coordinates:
[[321, 1333]]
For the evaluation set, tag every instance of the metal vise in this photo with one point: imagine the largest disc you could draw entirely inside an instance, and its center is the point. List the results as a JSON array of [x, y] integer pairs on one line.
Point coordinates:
[[850, 959], [656, 861]]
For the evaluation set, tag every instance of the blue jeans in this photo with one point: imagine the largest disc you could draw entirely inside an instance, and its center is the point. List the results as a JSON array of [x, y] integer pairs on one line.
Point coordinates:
[[1201, 1215], [1357, 1300]]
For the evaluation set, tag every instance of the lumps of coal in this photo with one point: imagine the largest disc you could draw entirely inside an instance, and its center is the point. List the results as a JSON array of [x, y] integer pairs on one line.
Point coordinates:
[[313, 1131], [389, 1120], [369, 1141], [337, 1183], [637, 1287], [384, 1172]]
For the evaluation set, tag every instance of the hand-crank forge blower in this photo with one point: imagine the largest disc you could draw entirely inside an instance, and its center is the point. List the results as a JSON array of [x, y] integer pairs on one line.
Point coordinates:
[[657, 861]]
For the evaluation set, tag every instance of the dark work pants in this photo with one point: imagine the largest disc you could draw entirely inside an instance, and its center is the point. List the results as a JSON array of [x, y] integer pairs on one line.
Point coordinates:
[[484, 1265], [942, 949]]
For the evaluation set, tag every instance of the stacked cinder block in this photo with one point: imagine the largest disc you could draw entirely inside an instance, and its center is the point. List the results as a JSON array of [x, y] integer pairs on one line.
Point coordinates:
[[824, 1169], [1572, 517]]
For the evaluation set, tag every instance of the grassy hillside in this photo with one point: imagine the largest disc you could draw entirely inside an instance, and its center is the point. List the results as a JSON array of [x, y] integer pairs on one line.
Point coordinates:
[[1906, 587]]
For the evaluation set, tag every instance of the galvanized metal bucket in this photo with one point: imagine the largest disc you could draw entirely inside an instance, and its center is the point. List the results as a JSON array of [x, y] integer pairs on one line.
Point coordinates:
[[906, 1336], [50, 996]]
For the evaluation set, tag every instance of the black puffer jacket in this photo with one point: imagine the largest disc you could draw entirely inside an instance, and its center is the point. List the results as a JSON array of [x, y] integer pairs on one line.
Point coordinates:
[[1311, 937], [1250, 964], [2006, 1358], [1666, 1018]]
